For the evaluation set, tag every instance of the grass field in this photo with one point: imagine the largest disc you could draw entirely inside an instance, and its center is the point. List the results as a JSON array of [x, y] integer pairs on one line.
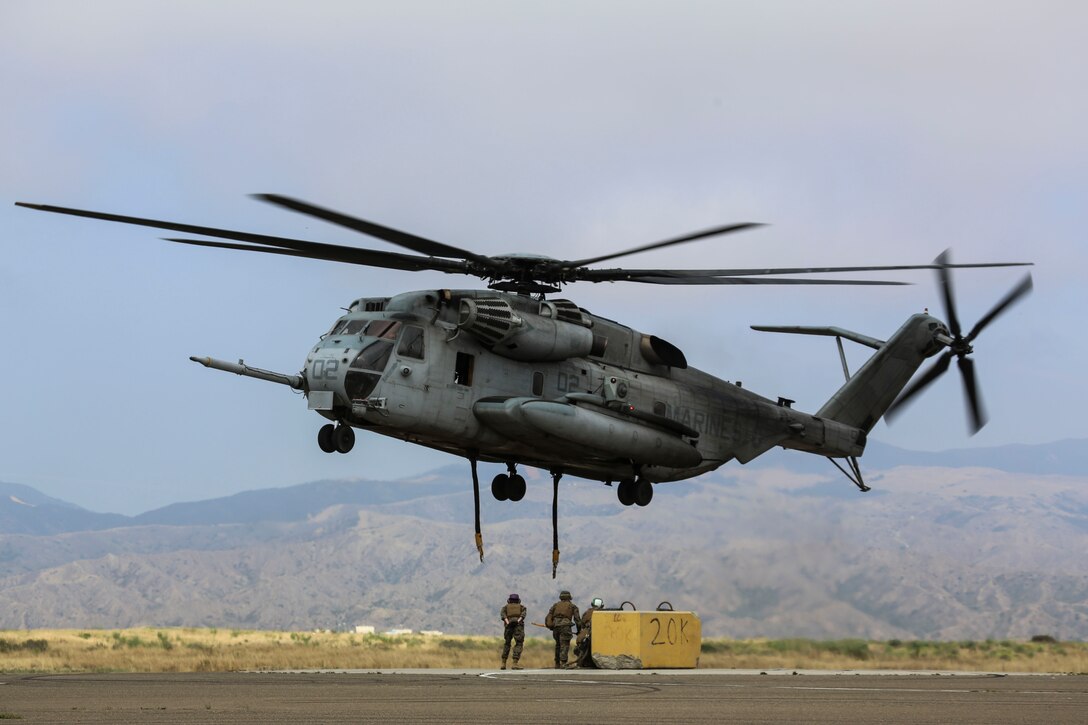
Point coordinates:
[[214, 650]]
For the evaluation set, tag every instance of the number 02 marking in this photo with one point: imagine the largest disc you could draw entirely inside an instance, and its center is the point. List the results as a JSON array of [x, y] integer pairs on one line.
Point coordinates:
[[326, 369]]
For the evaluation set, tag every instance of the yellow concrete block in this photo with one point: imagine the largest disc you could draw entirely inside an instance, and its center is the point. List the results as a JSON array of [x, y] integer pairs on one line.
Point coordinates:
[[646, 640]]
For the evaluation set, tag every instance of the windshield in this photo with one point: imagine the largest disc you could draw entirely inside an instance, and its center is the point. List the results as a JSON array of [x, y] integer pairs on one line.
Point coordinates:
[[375, 328]]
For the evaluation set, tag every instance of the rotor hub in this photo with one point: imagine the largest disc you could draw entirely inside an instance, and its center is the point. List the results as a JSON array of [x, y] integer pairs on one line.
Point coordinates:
[[961, 347]]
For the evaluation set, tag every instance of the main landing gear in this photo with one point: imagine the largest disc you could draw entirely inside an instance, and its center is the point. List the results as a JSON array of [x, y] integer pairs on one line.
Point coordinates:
[[635, 491], [338, 438], [508, 486]]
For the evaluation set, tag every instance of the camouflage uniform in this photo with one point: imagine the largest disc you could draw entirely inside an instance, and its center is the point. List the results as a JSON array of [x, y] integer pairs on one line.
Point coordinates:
[[583, 649], [561, 617], [513, 620]]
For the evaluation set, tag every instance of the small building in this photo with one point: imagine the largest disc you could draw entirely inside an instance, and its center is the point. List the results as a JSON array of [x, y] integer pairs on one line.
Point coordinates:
[[398, 632], [364, 629], [431, 632]]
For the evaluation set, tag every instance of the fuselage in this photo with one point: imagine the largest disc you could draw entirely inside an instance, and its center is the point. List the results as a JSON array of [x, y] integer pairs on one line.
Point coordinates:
[[514, 379]]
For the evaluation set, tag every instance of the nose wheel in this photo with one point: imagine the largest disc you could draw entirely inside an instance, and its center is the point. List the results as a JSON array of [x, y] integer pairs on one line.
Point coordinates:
[[336, 438]]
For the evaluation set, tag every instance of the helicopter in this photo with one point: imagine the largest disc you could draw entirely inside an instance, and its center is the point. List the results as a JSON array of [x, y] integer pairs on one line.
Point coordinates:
[[514, 375]]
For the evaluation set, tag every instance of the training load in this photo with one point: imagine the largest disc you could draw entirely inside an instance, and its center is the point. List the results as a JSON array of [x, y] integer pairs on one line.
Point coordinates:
[[629, 639]]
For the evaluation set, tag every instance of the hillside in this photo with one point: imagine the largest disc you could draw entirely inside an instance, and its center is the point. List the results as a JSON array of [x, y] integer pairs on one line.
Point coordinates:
[[932, 552], [24, 510]]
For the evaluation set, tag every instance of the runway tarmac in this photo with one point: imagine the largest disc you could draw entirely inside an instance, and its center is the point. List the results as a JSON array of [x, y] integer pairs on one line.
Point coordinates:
[[545, 696]]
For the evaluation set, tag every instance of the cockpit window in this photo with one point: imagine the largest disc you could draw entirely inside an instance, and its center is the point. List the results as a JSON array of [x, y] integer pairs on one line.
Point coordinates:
[[360, 385], [353, 327], [411, 342], [383, 329], [374, 356], [386, 329]]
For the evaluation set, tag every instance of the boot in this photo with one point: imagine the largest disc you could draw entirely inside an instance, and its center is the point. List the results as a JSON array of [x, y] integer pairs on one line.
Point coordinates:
[[516, 665], [504, 663]]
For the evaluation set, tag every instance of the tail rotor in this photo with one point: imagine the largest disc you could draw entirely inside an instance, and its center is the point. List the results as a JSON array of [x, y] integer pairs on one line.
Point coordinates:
[[959, 346]]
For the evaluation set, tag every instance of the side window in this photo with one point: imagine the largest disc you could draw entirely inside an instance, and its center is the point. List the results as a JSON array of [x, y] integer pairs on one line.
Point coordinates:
[[660, 408], [538, 384], [411, 342], [462, 372]]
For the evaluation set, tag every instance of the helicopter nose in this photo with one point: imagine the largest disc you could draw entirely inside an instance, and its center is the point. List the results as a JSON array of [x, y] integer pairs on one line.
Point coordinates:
[[325, 369]]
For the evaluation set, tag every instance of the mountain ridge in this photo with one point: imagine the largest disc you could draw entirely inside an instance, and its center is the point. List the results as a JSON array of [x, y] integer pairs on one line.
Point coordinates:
[[931, 552]]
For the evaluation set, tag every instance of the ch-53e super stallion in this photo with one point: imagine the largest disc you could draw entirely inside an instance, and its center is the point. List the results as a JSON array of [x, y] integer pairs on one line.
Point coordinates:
[[511, 375]]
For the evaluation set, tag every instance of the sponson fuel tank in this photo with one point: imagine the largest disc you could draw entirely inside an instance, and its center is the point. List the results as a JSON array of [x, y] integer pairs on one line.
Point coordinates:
[[595, 432]]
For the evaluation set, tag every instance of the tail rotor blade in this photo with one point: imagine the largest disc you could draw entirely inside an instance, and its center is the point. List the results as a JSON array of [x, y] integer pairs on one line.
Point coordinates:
[[945, 279], [974, 397], [1013, 296], [960, 347], [934, 372]]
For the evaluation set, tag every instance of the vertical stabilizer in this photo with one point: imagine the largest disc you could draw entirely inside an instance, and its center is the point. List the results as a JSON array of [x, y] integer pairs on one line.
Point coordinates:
[[869, 393]]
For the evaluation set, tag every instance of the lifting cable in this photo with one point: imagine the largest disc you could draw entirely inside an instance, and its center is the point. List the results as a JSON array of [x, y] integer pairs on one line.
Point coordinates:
[[476, 500], [556, 475]]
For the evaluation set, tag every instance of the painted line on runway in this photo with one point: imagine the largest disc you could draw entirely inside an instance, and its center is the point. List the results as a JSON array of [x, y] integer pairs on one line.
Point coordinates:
[[496, 675]]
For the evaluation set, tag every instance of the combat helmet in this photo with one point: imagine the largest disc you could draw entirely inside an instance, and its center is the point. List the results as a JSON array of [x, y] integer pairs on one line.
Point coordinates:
[[514, 599], [564, 595], [597, 603]]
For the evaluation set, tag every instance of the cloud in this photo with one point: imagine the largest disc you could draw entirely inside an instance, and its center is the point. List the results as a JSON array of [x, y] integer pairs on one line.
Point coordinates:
[[864, 133]]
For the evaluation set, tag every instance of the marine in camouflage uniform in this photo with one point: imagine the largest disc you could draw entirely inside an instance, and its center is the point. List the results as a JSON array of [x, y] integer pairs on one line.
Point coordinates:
[[513, 621], [561, 617], [583, 648]]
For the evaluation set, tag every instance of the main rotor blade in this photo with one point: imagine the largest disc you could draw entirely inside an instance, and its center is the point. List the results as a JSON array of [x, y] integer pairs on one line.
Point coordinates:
[[974, 397], [946, 291], [346, 255], [403, 239], [667, 243], [332, 252], [602, 275], [935, 371], [750, 280], [1013, 296]]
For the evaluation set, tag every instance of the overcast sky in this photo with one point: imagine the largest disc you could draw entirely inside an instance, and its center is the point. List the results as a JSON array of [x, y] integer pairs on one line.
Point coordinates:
[[862, 132]]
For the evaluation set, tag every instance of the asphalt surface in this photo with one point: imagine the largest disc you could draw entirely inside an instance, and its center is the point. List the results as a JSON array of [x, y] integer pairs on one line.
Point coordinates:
[[546, 696]]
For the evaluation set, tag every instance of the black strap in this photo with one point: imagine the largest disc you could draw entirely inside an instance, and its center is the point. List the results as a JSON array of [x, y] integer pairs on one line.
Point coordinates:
[[476, 499]]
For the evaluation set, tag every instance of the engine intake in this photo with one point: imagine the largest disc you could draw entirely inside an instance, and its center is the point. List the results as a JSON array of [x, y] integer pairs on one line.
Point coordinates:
[[525, 336]]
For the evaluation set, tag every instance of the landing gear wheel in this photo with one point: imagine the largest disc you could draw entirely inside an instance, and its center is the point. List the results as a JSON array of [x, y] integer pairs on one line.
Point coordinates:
[[516, 488], [644, 492], [626, 492], [343, 438], [500, 487], [324, 438]]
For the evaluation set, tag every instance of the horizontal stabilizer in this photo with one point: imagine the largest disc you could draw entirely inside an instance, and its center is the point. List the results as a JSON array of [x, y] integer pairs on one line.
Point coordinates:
[[826, 331]]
